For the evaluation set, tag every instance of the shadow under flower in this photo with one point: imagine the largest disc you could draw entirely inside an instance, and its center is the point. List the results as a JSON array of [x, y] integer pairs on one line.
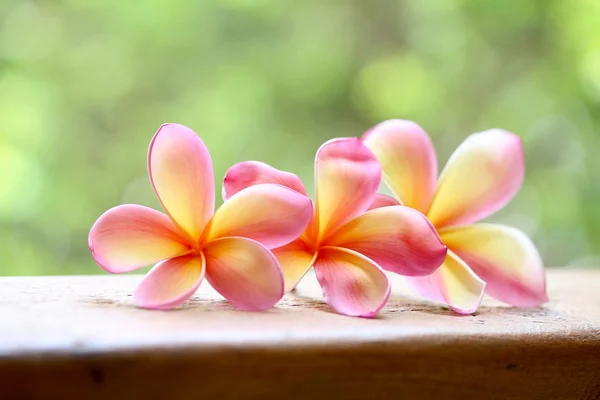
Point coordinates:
[[296, 301]]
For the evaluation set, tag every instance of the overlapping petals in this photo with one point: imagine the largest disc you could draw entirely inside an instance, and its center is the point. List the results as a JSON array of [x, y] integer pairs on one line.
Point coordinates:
[[296, 260], [399, 239], [263, 212], [383, 200], [229, 247], [250, 173], [346, 246], [454, 283], [482, 176], [350, 235], [129, 237]]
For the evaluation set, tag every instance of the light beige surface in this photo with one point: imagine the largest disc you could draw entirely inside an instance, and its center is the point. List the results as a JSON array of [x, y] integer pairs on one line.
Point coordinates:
[[87, 332]]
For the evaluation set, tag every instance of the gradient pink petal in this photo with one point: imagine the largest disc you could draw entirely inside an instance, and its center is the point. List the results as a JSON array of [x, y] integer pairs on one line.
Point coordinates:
[[250, 173], [295, 259], [453, 284], [352, 284], [181, 173], [244, 272], [129, 237], [503, 257], [482, 176], [270, 214], [170, 283], [383, 200], [408, 161], [399, 239], [347, 176]]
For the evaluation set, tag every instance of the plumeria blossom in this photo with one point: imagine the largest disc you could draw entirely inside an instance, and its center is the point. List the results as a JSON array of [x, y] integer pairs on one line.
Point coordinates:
[[191, 241], [482, 176], [348, 246]]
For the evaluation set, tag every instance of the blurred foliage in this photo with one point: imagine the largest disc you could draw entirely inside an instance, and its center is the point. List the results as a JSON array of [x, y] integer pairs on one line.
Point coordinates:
[[84, 84]]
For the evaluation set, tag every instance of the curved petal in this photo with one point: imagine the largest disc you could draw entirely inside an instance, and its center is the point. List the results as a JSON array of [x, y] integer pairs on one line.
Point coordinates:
[[347, 176], [399, 239], [244, 272], [453, 284], [352, 284], [170, 282], [503, 257], [129, 237], [482, 175], [270, 214], [181, 173], [295, 261], [249, 173], [408, 161], [382, 200]]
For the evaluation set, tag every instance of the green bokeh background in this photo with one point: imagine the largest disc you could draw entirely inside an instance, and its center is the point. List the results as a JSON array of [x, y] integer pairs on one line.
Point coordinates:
[[84, 84]]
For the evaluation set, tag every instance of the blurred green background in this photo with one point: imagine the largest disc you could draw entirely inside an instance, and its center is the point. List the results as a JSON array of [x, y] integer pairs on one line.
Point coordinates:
[[84, 84]]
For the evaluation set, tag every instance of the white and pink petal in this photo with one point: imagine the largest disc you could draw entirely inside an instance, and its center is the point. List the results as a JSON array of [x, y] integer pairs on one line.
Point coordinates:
[[453, 284], [482, 176], [505, 258]]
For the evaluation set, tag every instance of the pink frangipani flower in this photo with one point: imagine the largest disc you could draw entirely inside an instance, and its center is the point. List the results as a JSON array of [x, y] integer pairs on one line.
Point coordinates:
[[191, 241], [348, 246], [482, 176]]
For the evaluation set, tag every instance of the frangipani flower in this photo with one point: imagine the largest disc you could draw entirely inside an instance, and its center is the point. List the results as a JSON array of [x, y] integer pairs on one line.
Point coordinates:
[[482, 176], [229, 246], [348, 247]]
